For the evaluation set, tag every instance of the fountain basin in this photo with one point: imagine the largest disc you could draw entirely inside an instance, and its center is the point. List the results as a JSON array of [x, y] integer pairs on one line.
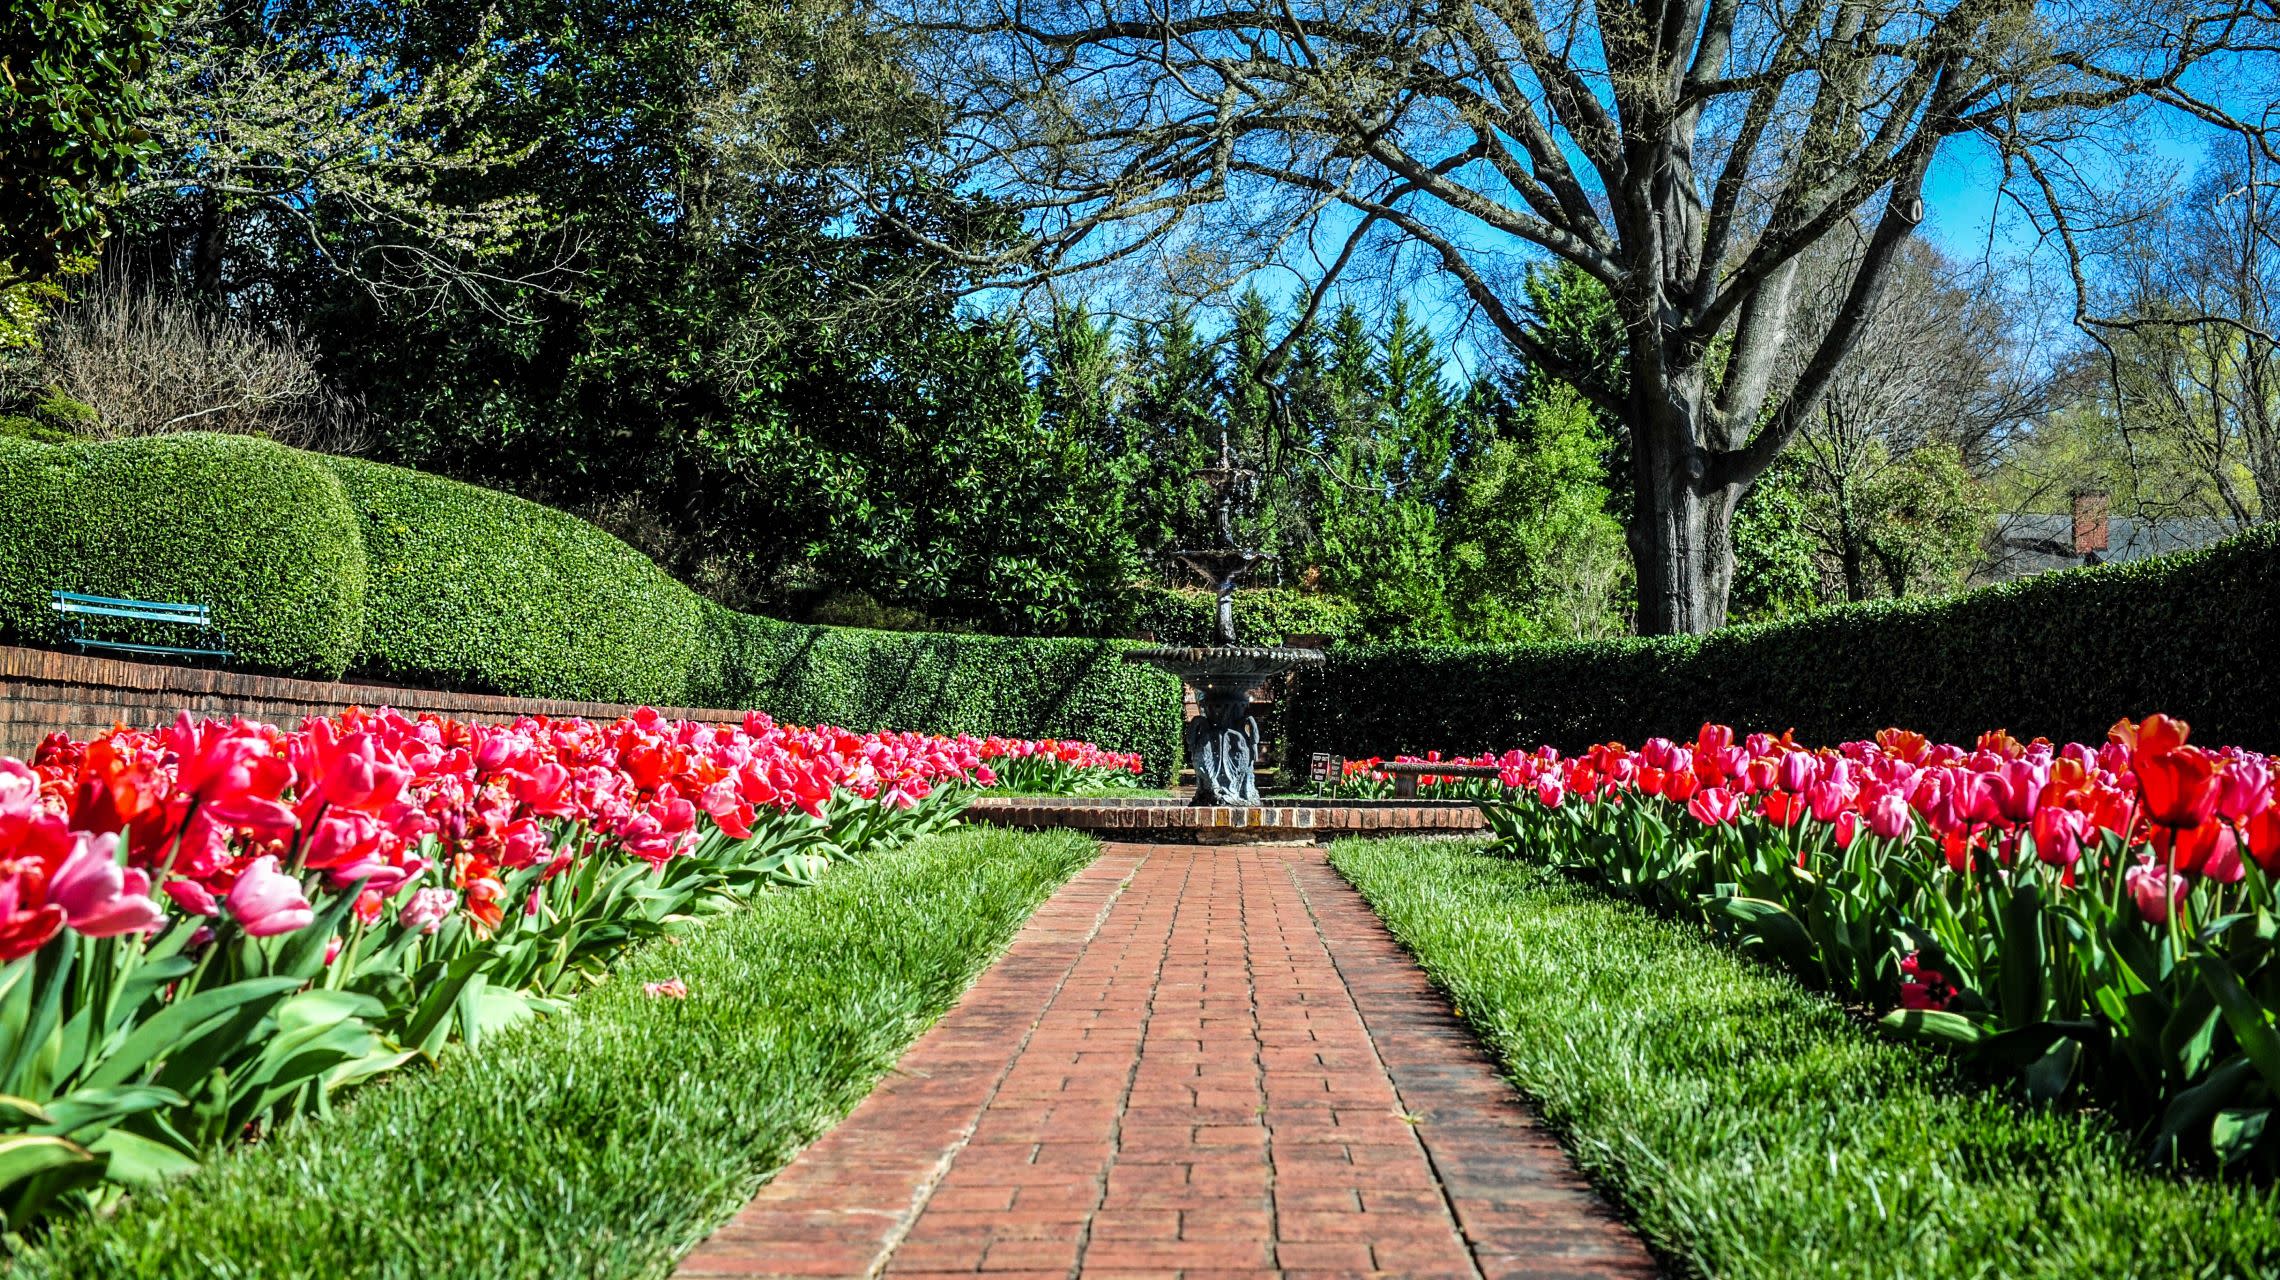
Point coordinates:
[[1276, 820]]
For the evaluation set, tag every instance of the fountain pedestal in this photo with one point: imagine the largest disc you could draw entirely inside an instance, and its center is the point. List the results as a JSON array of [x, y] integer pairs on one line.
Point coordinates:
[[1222, 739]]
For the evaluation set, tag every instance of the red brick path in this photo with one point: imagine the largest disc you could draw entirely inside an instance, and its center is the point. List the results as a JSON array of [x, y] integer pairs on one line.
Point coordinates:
[[1193, 1062]]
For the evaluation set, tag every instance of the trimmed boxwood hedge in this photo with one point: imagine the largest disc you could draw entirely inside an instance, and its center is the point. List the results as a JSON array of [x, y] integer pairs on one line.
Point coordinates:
[[474, 589], [943, 683], [261, 533], [2063, 654], [320, 566], [1263, 615]]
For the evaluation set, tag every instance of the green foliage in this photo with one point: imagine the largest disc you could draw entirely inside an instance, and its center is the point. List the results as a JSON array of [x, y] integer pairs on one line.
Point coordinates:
[[18, 426], [601, 1141], [1534, 554], [1774, 573], [318, 565], [1749, 1128], [2063, 654], [1263, 615], [262, 534], [472, 589], [69, 93]]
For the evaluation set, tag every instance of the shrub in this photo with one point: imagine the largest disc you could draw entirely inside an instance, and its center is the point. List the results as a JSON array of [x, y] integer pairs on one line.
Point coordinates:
[[942, 683], [260, 533], [316, 565], [2063, 655], [473, 589], [1188, 615]]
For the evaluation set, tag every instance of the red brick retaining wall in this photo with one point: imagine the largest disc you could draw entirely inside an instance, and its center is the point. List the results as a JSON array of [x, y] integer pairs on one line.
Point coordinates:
[[42, 692]]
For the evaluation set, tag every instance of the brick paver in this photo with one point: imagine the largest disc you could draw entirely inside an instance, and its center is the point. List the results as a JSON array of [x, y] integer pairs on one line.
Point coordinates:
[[1192, 1062]]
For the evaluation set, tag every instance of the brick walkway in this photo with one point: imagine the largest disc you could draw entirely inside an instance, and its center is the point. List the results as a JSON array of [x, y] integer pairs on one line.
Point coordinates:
[[1192, 1062]]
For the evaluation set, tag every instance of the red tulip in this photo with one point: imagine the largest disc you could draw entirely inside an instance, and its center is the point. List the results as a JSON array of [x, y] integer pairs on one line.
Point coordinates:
[[2179, 785], [2264, 839]]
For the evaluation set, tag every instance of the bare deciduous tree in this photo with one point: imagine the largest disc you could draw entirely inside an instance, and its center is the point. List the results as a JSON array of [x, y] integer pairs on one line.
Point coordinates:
[[151, 365], [2193, 374], [1934, 385], [1689, 154]]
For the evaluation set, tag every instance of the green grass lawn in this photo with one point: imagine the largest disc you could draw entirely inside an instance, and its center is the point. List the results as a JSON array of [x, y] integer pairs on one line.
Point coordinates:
[[605, 1141], [1753, 1129]]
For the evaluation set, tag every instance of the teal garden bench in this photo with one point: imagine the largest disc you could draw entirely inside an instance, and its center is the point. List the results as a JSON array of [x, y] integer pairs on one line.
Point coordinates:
[[79, 608]]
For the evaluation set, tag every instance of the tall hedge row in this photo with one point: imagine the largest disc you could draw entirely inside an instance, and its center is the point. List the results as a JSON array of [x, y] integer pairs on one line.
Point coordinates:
[[262, 534], [2063, 654], [323, 566]]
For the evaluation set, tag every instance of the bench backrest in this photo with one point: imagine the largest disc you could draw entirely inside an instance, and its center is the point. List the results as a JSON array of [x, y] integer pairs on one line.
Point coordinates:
[[189, 615], [1440, 769]]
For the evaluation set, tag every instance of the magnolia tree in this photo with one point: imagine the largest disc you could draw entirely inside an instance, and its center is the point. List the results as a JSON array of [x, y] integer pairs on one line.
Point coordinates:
[[1691, 155]]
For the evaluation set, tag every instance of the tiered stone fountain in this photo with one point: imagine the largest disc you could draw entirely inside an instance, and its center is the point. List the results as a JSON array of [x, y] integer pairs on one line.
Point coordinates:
[[1223, 739]]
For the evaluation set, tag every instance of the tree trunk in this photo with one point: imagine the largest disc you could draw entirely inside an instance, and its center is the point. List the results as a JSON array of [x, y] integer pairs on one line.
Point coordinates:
[[207, 254], [1681, 534]]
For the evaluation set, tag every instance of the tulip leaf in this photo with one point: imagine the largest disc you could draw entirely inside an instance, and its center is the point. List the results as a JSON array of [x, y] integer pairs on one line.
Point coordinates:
[[183, 1023], [28, 1155], [1937, 1024], [138, 1161], [2236, 1130], [2251, 1023], [2192, 1110], [2025, 990], [2051, 1074]]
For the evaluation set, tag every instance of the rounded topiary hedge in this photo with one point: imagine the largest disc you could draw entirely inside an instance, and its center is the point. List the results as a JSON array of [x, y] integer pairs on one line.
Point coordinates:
[[319, 566], [260, 533], [474, 589], [2062, 654]]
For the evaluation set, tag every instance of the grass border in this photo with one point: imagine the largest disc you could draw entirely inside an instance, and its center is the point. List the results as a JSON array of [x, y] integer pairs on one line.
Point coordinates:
[[607, 1140], [1749, 1127]]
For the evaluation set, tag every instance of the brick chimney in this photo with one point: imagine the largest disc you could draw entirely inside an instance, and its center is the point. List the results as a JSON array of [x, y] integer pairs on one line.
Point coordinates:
[[2090, 526]]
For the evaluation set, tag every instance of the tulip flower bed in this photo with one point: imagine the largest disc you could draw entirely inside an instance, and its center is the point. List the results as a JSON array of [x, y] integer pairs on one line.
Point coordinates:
[[209, 928], [2099, 919], [603, 1141], [1749, 1127], [1053, 767]]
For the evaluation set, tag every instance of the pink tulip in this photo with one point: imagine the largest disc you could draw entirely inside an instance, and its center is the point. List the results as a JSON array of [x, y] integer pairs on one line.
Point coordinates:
[[1798, 770], [100, 898], [1889, 817], [669, 989], [267, 902], [2146, 882], [427, 909], [2244, 789], [1714, 806], [2059, 834], [193, 897]]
